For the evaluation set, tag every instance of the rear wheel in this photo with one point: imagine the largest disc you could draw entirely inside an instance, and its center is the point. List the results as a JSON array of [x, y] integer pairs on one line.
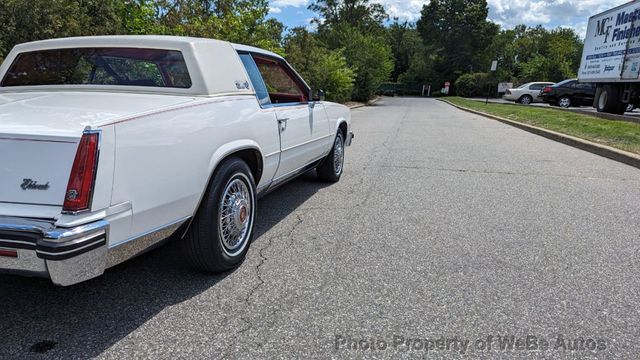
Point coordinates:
[[525, 99], [564, 102], [332, 166], [221, 232], [609, 101]]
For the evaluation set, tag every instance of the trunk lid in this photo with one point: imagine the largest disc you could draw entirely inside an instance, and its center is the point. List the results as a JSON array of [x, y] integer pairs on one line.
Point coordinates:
[[40, 132], [35, 170]]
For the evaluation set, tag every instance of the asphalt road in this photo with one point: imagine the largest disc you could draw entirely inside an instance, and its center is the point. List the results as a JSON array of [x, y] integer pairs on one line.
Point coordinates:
[[445, 226]]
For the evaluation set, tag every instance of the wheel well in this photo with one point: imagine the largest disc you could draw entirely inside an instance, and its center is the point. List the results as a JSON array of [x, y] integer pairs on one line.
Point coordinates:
[[253, 158], [343, 129]]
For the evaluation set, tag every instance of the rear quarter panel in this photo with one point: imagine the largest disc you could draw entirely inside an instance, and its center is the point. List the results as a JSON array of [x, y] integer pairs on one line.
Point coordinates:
[[164, 160], [337, 114]]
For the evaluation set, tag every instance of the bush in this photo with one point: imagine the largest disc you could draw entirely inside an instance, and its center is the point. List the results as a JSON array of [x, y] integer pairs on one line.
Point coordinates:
[[368, 55], [466, 85], [335, 76], [473, 84], [321, 68]]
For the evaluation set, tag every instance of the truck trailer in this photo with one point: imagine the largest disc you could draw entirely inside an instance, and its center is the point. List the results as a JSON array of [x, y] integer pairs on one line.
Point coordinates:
[[611, 58]]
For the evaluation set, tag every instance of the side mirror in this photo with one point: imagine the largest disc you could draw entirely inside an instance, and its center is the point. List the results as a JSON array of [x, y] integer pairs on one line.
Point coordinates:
[[317, 95]]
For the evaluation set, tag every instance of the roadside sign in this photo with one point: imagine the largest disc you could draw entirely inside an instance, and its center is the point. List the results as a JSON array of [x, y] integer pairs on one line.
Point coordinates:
[[445, 90], [494, 65], [504, 86]]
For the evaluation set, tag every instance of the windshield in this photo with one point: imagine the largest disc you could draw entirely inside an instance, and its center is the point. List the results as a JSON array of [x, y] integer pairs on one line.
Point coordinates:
[[99, 66], [523, 86]]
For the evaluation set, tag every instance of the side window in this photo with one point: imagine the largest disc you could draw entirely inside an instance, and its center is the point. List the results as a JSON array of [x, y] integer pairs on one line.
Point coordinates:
[[536, 87], [256, 79], [282, 85], [582, 86]]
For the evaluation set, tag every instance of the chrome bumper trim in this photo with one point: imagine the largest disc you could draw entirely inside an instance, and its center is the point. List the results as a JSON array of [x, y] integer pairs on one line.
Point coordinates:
[[66, 255], [70, 255], [350, 138], [142, 243]]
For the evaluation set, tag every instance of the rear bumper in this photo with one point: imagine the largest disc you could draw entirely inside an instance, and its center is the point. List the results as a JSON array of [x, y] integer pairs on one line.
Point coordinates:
[[65, 255]]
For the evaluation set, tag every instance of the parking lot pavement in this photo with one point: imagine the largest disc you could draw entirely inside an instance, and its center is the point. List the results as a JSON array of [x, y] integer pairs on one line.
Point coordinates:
[[446, 230]]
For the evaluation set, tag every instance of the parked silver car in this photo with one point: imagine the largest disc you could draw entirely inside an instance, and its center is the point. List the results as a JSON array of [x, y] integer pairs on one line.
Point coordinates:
[[527, 93]]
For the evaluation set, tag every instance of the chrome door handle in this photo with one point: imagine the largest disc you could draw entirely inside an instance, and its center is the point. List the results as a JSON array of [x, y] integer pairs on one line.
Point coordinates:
[[283, 124]]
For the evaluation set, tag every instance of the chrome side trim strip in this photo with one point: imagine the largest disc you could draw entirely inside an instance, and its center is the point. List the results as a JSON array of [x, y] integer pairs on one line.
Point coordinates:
[[25, 225], [18, 242], [297, 171], [306, 143], [101, 240], [142, 243], [64, 235]]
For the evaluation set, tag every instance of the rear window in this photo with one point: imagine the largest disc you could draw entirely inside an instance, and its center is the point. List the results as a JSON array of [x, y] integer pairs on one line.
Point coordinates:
[[99, 66], [565, 83]]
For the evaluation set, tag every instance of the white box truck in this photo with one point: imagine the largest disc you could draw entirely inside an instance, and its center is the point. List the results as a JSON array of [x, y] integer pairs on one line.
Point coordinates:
[[611, 58]]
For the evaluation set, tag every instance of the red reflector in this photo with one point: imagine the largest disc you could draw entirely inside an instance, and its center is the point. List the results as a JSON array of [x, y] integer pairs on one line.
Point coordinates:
[[8, 253], [83, 172]]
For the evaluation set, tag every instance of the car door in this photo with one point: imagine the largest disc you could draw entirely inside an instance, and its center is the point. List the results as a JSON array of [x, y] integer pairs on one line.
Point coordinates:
[[582, 93], [303, 124], [590, 95], [534, 91]]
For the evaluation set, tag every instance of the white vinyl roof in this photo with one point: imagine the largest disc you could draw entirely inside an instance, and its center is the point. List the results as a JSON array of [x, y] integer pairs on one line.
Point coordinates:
[[213, 65]]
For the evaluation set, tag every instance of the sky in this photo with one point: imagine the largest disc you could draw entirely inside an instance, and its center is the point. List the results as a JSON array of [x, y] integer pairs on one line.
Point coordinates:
[[507, 13]]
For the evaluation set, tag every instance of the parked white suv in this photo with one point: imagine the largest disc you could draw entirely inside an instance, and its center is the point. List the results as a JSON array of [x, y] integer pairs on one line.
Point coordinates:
[[527, 93]]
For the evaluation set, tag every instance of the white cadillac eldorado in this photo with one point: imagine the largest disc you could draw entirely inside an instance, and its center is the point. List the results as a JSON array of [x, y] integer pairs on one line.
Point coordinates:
[[111, 144]]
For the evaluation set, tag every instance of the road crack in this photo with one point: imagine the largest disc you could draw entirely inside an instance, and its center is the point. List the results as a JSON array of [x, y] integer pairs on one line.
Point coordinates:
[[263, 259]]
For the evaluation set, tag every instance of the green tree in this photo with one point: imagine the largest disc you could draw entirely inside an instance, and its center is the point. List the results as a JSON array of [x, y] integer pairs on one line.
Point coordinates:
[[322, 68], [241, 21], [362, 15], [372, 59], [537, 54], [24, 21], [406, 47], [460, 32], [355, 27]]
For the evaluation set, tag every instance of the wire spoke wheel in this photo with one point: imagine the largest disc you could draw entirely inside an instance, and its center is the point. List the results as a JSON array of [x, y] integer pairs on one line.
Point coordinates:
[[338, 159], [236, 215]]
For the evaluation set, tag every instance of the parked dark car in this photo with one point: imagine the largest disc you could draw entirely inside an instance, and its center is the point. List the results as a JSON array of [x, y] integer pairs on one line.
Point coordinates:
[[569, 93]]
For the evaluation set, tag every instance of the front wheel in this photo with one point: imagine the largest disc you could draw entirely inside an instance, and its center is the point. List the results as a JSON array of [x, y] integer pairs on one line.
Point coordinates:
[[332, 166], [564, 102], [221, 232]]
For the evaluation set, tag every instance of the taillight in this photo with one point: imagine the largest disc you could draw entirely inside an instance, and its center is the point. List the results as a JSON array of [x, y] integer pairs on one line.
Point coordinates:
[[546, 89], [83, 173]]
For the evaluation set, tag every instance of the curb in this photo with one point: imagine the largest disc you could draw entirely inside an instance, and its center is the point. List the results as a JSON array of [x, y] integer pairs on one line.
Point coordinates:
[[598, 149], [371, 102]]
